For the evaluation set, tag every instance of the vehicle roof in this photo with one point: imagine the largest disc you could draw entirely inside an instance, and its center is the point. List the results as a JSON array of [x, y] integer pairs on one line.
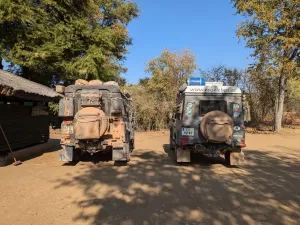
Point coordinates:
[[213, 90], [210, 88], [110, 88]]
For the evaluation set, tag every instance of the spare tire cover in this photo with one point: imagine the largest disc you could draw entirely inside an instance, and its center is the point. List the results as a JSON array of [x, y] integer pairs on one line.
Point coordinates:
[[90, 123], [217, 127]]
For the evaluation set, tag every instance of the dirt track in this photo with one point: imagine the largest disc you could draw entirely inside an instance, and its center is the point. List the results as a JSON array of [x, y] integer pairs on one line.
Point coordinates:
[[152, 189]]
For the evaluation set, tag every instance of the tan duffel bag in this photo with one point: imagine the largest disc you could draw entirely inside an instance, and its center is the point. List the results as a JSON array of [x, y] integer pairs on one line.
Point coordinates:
[[90, 123]]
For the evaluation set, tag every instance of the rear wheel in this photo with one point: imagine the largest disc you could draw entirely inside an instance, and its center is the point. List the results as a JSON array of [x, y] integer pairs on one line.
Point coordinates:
[[172, 145], [227, 157], [127, 149], [131, 145], [76, 155]]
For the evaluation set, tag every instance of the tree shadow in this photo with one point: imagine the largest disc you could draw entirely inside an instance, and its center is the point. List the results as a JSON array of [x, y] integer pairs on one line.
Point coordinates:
[[196, 159], [152, 189]]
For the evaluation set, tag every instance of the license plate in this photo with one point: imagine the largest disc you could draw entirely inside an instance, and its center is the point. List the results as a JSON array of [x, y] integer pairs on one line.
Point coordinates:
[[187, 131]]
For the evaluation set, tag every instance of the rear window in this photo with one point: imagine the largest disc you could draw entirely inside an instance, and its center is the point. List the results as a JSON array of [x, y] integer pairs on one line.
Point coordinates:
[[211, 105]]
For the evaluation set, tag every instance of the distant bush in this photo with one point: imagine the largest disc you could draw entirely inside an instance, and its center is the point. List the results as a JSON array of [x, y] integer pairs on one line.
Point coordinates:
[[154, 97]]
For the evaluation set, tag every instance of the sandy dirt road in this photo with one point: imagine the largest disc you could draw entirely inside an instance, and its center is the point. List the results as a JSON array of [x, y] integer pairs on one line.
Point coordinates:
[[152, 189]]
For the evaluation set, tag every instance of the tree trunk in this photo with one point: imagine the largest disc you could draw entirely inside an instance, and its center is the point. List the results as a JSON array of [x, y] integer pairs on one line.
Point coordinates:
[[26, 73], [275, 111], [1, 65], [280, 102]]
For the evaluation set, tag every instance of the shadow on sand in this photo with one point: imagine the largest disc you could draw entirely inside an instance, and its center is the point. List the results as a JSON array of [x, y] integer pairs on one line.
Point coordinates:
[[153, 189], [34, 151]]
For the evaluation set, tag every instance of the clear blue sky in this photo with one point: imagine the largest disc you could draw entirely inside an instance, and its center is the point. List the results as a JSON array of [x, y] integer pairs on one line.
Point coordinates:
[[206, 27]]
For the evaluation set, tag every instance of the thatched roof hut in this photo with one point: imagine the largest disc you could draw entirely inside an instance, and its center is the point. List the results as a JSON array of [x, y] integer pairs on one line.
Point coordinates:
[[15, 86]]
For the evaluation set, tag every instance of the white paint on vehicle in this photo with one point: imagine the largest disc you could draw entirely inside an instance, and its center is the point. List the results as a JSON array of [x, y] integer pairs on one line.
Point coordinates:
[[213, 89]]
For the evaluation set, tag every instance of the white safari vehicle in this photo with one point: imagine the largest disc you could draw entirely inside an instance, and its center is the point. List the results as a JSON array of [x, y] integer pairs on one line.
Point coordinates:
[[209, 119]]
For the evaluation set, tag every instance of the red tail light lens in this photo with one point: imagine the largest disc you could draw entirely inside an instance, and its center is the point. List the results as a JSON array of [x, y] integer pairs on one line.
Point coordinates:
[[184, 141], [243, 144]]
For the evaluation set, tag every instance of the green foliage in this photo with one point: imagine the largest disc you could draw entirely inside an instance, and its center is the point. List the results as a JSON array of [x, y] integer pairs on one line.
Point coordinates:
[[66, 39], [53, 108], [169, 71], [144, 81], [154, 98], [149, 115], [293, 100], [272, 29], [262, 96]]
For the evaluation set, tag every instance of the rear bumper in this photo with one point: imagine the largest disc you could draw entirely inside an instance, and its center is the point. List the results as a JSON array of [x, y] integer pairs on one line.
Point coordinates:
[[200, 148]]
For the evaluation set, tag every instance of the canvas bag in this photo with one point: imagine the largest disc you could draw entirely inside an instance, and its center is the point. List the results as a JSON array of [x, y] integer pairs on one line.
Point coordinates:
[[87, 123]]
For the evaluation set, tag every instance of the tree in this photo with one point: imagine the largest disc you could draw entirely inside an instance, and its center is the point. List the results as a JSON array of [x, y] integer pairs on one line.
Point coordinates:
[[144, 81], [272, 29], [169, 71], [230, 77], [293, 100], [215, 74], [154, 97], [66, 39]]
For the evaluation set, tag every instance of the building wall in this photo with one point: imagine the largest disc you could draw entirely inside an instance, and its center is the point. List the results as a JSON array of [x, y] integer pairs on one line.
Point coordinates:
[[24, 123]]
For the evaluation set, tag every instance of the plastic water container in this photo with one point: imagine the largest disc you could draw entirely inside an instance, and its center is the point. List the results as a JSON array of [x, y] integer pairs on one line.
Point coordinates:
[[196, 81]]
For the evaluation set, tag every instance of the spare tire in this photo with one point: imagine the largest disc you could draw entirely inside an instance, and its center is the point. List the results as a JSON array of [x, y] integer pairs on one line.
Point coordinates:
[[217, 127]]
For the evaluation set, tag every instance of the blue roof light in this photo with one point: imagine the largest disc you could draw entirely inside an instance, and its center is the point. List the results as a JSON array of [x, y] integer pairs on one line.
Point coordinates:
[[196, 81]]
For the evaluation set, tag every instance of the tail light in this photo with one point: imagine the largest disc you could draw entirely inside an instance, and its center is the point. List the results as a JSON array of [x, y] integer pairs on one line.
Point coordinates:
[[243, 144], [184, 141], [67, 127]]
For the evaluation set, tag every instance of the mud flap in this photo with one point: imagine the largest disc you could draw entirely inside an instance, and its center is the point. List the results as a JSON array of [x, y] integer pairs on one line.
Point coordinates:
[[183, 155], [237, 158], [66, 154], [119, 154]]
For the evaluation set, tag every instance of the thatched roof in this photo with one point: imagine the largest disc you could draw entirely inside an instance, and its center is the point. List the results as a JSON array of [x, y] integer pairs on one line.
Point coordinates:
[[19, 87]]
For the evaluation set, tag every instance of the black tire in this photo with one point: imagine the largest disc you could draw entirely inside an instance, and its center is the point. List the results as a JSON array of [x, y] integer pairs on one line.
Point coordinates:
[[172, 146], [127, 149], [175, 153], [131, 145], [3, 160], [227, 157], [76, 155]]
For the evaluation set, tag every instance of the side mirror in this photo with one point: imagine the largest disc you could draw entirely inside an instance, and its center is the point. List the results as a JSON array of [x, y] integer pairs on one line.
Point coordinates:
[[60, 89]]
